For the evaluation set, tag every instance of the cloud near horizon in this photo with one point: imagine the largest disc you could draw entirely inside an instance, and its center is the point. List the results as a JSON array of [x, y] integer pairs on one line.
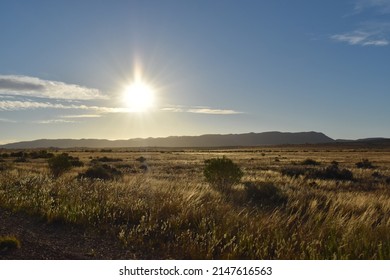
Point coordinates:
[[199, 110], [76, 103], [15, 105], [54, 121], [36, 87], [6, 120], [85, 116]]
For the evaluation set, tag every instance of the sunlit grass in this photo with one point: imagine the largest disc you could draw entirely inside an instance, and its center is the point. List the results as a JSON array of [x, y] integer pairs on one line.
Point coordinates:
[[171, 212]]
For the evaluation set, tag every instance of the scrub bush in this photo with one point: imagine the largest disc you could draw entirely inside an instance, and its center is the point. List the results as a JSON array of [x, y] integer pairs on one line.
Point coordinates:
[[222, 173], [60, 164]]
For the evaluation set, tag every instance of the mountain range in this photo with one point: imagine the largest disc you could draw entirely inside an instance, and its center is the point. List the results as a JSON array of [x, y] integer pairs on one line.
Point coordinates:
[[202, 141], [208, 140]]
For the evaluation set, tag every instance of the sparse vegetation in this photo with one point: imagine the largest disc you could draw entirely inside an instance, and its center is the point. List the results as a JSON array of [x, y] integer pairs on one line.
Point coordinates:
[[282, 210], [331, 172]]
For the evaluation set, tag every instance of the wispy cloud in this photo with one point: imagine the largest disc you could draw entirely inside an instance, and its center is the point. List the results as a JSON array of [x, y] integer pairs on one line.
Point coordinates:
[[381, 6], [7, 120], [85, 116], [362, 38], [54, 121], [370, 32], [67, 119], [17, 105], [35, 87], [213, 111], [200, 110]]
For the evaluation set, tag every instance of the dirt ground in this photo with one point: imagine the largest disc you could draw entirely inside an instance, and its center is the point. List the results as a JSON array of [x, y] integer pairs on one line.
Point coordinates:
[[43, 241]]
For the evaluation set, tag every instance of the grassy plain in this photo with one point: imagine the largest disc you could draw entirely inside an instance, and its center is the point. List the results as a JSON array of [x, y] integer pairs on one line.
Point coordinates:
[[169, 211]]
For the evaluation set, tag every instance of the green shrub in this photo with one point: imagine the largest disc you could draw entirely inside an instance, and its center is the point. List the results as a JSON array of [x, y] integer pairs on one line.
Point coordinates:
[[3, 167], [265, 194], [41, 154], [9, 243], [310, 161], [21, 159], [365, 163], [18, 154], [60, 164], [222, 173], [332, 172], [75, 162], [141, 159], [294, 171], [107, 159], [103, 172]]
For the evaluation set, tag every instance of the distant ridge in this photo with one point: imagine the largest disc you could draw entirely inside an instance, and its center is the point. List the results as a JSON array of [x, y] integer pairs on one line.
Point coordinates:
[[203, 141]]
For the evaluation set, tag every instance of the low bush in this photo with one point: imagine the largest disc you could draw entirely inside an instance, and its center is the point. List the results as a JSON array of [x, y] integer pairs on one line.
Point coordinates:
[[365, 164], [294, 171], [41, 154], [18, 154], [265, 194], [377, 175], [76, 162], [310, 161], [331, 172], [3, 166], [60, 164], [141, 159], [20, 159], [107, 159], [222, 173], [103, 172]]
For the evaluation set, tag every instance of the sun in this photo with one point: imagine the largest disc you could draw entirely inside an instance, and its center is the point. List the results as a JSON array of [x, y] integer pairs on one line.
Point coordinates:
[[139, 96]]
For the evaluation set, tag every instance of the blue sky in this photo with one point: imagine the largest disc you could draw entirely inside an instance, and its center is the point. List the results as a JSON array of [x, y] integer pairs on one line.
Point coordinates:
[[216, 66]]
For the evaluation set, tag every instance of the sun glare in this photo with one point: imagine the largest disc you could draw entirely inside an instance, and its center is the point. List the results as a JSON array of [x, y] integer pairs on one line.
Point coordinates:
[[139, 96]]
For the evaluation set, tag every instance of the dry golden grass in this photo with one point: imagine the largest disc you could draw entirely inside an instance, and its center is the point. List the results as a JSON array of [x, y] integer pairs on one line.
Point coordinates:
[[171, 212]]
